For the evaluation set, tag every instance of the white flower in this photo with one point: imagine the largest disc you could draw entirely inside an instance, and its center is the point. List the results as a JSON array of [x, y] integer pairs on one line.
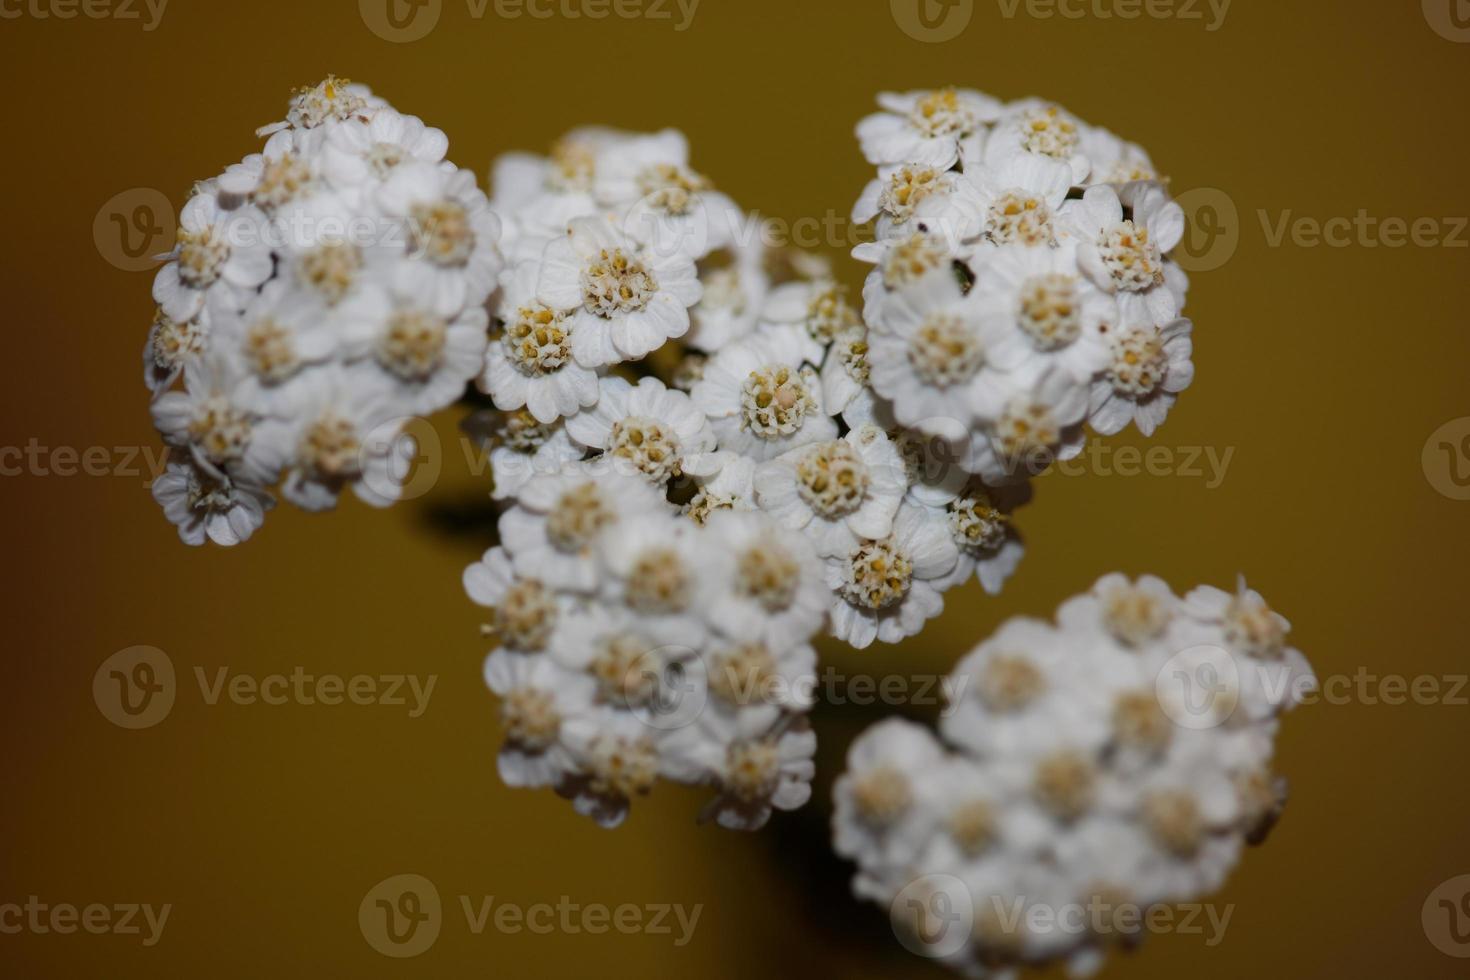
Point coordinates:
[[885, 589], [359, 153], [751, 676], [275, 342], [539, 701], [523, 448], [172, 346], [925, 127], [1031, 422], [633, 659], [1128, 256], [761, 401], [528, 616], [969, 809], [220, 258], [652, 564], [837, 493], [618, 755], [530, 365], [347, 435], [225, 438], [538, 196], [911, 199], [207, 505], [552, 531], [1048, 314], [1273, 675], [1027, 695], [928, 351], [775, 592], [627, 299], [1148, 366], [645, 429], [329, 247], [427, 357], [1135, 614], [1019, 202], [450, 232], [282, 172], [725, 482], [1124, 165], [734, 294], [845, 372], [934, 456], [980, 522], [331, 100], [1036, 129], [931, 453], [664, 203], [757, 767], [901, 263], [807, 316], [880, 820]]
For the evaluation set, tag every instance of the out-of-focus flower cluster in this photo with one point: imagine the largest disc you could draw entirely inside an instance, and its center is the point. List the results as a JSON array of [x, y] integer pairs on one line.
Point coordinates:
[[1022, 285], [1117, 759], [320, 293]]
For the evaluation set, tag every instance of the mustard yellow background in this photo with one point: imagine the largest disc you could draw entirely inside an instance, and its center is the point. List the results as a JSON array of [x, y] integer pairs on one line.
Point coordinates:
[[1324, 369]]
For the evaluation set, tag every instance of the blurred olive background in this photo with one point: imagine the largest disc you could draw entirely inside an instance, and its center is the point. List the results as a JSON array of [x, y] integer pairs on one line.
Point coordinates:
[[1322, 370]]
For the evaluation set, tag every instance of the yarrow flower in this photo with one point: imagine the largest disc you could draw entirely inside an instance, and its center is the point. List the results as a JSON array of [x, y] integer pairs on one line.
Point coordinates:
[[1022, 284], [686, 487], [1076, 769], [322, 291], [706, 453]]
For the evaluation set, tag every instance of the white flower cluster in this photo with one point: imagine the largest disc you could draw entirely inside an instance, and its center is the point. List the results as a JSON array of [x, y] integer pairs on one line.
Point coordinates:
[[753, 392], [651, 358], [1118, 759], [1022, 283], [636, 644], [321, 292], [650, 623]]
